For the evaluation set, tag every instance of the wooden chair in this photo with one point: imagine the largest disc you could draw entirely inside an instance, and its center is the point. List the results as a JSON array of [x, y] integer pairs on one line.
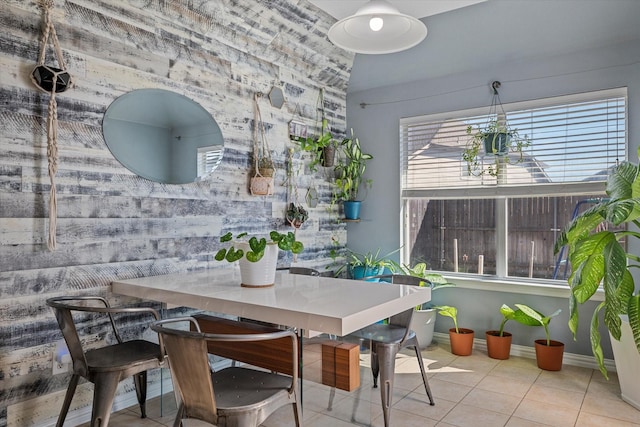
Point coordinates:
[[386, 340], [106, 366], [234, 396]]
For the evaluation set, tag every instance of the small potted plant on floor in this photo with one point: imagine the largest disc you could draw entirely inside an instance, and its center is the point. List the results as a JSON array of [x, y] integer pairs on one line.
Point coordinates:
[[499, 342], [257, 256], [424, 319], [461, 338], [549, 353], [349, 170]]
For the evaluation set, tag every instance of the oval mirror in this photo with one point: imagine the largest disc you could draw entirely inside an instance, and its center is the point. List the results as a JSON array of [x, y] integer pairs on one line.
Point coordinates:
[[163, 136]]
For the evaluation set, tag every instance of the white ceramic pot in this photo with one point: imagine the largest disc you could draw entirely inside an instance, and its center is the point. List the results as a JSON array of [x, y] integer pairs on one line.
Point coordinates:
[[262, 273], [627, 360], [423, 324]]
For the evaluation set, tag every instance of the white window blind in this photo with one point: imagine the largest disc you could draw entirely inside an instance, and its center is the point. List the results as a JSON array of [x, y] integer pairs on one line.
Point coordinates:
[[574, 139]]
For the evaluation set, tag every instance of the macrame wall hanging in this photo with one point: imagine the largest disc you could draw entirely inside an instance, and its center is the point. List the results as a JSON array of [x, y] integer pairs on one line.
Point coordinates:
[[51, 80]]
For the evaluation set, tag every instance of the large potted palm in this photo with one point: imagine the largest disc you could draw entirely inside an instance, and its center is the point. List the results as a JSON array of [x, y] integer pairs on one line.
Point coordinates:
[[598, 257]]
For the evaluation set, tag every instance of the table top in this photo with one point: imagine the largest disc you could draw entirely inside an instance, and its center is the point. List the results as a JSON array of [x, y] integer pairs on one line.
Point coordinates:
[[324, 304]]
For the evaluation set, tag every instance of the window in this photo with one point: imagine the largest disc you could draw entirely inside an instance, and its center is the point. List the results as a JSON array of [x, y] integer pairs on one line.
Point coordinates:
[[507, 225]]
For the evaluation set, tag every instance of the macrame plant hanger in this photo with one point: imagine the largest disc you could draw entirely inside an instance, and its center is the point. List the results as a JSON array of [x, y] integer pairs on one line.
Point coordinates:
[[51, 80]]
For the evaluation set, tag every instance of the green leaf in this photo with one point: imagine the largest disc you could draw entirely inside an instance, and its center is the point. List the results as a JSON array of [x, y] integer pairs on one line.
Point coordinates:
[[234, 254], [220, 254], [594, 336], [253, 256], [633, 309], [297, 247], [535, 317], [226, 238], [619, 184]]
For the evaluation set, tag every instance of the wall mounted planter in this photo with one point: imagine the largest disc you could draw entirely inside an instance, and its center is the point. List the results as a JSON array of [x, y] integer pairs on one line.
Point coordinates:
[[351, 209]]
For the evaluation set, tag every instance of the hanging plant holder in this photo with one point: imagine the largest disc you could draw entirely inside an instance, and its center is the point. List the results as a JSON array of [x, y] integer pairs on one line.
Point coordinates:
[[262, 180], [51, 80]]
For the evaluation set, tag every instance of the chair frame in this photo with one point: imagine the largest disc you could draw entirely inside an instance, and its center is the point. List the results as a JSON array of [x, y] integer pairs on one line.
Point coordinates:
[[383, 354], [104, 370], [195, 389]]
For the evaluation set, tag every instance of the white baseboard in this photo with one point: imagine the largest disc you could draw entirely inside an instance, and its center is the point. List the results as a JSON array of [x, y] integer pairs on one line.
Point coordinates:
[[530, 353]]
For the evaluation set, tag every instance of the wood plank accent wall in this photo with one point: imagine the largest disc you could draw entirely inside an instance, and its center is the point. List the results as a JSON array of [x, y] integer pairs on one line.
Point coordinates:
[[111, 223]]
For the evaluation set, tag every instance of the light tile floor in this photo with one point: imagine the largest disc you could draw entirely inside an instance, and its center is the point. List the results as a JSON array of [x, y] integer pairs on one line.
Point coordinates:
[[473, 391]]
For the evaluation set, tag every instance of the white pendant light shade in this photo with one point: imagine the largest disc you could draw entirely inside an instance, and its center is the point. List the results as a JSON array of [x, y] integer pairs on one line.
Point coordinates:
[[377, 27]]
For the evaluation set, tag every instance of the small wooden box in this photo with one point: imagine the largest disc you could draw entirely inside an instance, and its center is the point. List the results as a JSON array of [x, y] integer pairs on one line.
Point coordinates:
[[341, 365]]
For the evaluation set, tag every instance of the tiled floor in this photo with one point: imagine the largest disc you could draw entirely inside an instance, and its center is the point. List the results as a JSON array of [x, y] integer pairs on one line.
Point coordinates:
[[473, 391]]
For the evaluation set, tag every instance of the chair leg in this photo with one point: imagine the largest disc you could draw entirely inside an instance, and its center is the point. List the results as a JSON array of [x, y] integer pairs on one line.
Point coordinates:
[[104, 391], [375, 366], [424, 375], [140, 381], [71, 389], [387, 361]]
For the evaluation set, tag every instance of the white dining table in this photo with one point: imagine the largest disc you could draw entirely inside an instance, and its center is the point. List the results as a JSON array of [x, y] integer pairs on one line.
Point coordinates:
[[311, 303]]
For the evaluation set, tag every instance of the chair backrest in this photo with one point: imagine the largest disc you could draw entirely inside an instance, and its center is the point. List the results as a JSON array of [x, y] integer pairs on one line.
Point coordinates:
[[188, 359], [64, 306], [305, 271]]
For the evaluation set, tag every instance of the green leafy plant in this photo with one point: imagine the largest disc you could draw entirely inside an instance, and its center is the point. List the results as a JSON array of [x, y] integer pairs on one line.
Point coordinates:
[[296, 215], [316, 144], [498, 140], [598, 257], [434, 280], [349, 170], [369, 260], [286, 242], [449, 311], [531, 317]]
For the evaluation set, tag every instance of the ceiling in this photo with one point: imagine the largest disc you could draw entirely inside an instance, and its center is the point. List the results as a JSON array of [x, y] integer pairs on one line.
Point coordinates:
[[482, 34], [418, 8]]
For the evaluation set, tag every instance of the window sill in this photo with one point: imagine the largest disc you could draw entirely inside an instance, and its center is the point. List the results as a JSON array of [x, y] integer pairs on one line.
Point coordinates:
[[541, 287]]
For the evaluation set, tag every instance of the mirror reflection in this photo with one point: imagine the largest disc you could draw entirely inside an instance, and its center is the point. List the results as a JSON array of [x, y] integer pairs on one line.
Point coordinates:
[[163, 136]]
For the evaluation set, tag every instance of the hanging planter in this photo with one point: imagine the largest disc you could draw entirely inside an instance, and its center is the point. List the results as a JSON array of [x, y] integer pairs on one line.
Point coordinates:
[[51, 80], [262, 180], [496, 138], [296, 215]]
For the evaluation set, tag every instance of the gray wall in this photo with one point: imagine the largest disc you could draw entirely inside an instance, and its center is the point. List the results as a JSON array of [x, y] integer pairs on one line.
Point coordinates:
[[111, 223], [377, 126]]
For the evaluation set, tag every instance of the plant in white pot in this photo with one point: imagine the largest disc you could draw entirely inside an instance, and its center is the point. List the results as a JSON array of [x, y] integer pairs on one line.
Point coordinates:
[[598, 257], [257, 256], [423, 321]]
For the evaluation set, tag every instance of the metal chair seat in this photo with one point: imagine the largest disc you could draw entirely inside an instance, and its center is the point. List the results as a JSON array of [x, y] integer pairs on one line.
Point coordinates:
[[128, 355], [386, 334], [234, 396], [106, 366]]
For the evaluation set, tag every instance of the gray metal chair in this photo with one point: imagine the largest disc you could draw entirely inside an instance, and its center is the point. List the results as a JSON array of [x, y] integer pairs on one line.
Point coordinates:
[[234, 396], [106, 366], [386, 340], [305, 271]]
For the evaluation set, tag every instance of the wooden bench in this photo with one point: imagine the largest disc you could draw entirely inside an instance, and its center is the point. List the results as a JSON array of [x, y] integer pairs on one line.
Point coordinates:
[[340, 361]]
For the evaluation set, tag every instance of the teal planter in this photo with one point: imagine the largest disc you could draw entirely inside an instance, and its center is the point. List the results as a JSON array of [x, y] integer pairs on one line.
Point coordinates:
[[497, 144], [351, 209], [359, 272]]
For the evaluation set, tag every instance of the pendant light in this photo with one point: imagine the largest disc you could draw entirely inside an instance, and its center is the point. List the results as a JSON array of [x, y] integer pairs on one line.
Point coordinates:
[[376, 28]]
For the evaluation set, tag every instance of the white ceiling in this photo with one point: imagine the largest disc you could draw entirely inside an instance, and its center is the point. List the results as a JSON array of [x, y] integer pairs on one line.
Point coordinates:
[[479, 36], [418, 8]]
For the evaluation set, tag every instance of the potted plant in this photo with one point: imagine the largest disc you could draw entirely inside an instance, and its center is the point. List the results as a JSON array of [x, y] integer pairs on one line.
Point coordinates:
[[499, 342], [361, 266], [461, 338], [296, 215], [349, 172], [257, 256], [598, 257], [424, 319], [322, 147], [497, 140], [549, 353]]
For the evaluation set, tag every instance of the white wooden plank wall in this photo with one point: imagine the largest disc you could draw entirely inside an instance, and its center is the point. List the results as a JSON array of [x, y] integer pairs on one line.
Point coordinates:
[[111, 223]]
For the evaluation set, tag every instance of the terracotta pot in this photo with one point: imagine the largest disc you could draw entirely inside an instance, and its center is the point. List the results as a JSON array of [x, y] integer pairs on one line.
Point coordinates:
[[549, 357], [498, 346], [461, 342], [261, 186]]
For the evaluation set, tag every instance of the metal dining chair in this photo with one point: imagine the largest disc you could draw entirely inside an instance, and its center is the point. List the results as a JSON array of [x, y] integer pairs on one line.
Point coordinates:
[[105, 366], [233, 396], [305, 271], [385, 340]]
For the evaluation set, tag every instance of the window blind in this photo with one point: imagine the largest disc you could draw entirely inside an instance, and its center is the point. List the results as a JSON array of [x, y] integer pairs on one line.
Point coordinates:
[[574, 139]]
